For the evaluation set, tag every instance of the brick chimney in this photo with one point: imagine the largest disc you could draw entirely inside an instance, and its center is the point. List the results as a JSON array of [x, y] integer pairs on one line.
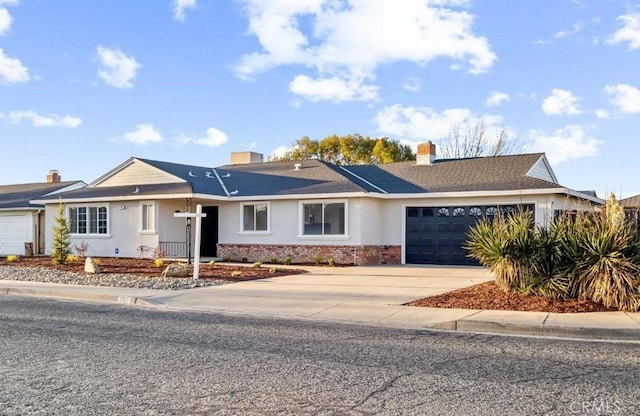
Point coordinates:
[[53, 176], [426, 153]]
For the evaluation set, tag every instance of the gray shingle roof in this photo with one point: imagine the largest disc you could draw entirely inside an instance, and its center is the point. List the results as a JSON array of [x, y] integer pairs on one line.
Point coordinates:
[[281, 178], [19, 196], [201, 179], [124, 191], [498, 173]]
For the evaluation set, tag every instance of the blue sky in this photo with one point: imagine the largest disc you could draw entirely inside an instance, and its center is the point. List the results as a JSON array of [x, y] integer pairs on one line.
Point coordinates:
[[84, 85]]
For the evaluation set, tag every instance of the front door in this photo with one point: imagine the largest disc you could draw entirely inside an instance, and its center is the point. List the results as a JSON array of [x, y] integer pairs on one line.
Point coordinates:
[[209, 242]]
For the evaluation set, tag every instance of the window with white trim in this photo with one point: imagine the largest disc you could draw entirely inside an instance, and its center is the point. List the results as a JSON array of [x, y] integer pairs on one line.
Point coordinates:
[[324, 218], [255, 217], [89, 220], [147, 216]]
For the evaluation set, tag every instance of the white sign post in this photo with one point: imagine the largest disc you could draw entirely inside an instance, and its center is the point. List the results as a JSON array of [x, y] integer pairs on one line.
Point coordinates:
[[198, 215]]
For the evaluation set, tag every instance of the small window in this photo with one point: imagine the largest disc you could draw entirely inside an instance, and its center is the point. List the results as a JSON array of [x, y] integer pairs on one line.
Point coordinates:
[[459, 212], [475, 212], [255, 217], [443, 212], [148, 216], [492, 211]]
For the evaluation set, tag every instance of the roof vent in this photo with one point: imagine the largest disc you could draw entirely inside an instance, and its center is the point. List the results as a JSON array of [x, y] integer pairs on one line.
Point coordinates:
[[297, 166]]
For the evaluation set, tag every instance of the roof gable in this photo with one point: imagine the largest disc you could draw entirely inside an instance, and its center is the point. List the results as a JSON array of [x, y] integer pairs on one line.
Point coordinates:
[[542, 170], [135, 172]]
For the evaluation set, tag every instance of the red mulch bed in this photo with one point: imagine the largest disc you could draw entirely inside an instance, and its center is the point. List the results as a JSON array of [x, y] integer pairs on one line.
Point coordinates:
[[146, 267], [489, 296]]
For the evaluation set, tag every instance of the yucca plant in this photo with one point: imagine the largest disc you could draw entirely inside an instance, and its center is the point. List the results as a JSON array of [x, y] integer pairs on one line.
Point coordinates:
[[507, 246], [547, 272], [606, 251]]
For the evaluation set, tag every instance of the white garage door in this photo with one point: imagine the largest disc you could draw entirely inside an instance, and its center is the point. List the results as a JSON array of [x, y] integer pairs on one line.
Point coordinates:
[[13, 234]]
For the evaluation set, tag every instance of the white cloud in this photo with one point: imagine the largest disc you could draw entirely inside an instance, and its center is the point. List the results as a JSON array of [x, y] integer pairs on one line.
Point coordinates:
[[561, 102], [497, 98], [5, 21], [214, 138], [625, 97], [423, 123], [602, 114], [333, 89], [50, 120], [347, 40], [575, 28], [629, 32], [412, 84], [180, 7], [280, 151], [118, 69], [143, 134], [11, 70], [564, 144]]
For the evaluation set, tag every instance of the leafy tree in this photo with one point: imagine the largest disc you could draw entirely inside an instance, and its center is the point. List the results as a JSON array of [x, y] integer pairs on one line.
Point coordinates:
[[471, 139], [61, 237], [348, 150]]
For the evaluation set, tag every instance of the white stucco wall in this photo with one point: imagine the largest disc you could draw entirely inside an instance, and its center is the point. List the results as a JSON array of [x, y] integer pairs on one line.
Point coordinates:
[[123, 232], [285, 220]]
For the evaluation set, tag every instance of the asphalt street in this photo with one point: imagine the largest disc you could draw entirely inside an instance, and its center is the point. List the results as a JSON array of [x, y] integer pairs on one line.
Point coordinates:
[[71, 358]]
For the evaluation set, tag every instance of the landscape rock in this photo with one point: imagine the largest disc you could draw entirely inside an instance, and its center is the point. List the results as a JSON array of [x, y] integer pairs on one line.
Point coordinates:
[[176, 270], [90, 266], [41, 274]]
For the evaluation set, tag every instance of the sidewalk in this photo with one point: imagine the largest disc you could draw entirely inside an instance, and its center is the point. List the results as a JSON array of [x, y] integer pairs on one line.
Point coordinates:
[[355, 295]]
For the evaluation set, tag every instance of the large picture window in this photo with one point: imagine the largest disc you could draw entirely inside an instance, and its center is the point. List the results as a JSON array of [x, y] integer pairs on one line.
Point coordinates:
[[255, 217], [324, 218], [88, 220]]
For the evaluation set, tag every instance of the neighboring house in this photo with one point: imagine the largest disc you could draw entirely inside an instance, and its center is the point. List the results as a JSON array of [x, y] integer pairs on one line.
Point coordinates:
[[22, 229], [407, 212], [631, 207]]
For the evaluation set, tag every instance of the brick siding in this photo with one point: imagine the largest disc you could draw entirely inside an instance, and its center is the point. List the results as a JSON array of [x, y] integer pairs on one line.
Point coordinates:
[[344, 254]]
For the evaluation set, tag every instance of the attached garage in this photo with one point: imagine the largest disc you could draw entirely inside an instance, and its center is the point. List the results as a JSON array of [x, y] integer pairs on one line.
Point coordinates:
[[14, 233], [436, 235]]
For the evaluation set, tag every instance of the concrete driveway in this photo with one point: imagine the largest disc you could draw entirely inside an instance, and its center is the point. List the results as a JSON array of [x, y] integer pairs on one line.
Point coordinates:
[[381, 285]]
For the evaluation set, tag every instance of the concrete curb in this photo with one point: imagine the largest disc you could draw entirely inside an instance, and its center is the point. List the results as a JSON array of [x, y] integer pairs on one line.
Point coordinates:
[[50, 293], [461, 325]]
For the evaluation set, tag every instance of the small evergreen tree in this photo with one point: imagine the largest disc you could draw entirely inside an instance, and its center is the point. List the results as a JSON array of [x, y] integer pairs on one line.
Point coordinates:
[[61, 238]]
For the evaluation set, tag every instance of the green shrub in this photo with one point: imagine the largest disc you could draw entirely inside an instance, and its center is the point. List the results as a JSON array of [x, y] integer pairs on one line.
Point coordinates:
[[226, 259], [244, 260], [71, 258], [331, 262], [287, 261], [317, 260], [61, 237], [274, 260]]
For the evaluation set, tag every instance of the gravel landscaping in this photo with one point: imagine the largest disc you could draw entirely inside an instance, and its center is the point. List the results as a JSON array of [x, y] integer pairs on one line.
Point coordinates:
[[131, 273]]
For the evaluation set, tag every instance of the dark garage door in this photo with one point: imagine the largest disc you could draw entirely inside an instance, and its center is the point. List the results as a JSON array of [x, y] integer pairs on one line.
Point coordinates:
[[436, 235]]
